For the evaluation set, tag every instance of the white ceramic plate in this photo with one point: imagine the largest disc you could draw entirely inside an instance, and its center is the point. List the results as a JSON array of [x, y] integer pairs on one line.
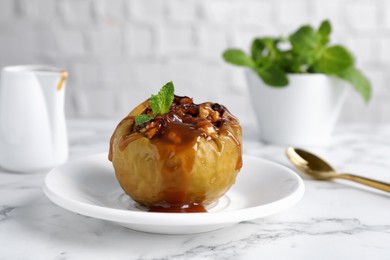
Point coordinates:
[[89, 187]]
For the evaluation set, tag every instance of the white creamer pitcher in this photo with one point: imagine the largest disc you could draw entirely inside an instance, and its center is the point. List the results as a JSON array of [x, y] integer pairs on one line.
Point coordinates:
[[32, 121]]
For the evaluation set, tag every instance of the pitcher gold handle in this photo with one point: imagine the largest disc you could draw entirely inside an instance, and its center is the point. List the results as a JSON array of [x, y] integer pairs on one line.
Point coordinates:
[[64, 76]]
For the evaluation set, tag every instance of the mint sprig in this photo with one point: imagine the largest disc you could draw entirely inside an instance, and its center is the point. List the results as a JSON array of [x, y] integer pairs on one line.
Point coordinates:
[[143, 118], [159, 103], [308, 51]]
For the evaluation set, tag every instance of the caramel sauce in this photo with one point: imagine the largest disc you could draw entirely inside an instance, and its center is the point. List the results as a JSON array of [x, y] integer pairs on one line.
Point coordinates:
[[176, 140], [64, 76], [176, 147], [193, 208], [129, 120], [125, 140], [238, 143]]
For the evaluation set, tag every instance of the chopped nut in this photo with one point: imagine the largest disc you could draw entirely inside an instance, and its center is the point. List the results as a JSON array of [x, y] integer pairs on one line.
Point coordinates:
[[208, 129], [186, 100], [206, 117], [216, 116], [152, 132], [203, 112]]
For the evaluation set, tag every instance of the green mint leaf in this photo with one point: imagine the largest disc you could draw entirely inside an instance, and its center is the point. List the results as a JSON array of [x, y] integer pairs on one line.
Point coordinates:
[[324, 32], [238, 57], [305, 51], [306, 48], [305, 59], [140, 119], [265, 52], [325, 28], [273, 76], [162, 102], [334, 59], [257, 50], [304, 39], [358, 80]]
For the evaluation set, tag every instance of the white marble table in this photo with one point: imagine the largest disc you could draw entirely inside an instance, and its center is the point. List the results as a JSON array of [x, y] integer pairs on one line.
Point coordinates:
[[333, 220]]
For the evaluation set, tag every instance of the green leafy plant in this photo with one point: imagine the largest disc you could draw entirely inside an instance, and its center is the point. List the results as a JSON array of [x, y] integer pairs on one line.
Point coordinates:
[[308, 51], [159, 103]]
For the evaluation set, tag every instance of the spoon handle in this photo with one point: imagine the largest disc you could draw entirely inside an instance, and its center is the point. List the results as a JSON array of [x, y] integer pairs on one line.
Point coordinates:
[[362, 180]]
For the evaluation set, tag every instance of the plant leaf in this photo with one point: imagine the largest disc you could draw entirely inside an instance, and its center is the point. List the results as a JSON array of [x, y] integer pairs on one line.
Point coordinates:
[[257, 49], [161, 102], [324, 32], [358, 80], [143, 118], [303, 39], [306, 48], [273, 76], [334, 59], [238, 57], [265, 52], [308, 52]]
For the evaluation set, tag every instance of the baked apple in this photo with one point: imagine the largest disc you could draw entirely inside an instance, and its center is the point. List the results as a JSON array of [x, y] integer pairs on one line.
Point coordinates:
[[180, 160]]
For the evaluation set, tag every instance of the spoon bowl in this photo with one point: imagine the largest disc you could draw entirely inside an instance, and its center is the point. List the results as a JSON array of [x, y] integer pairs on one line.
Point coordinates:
[[317, 168], [310, 164]]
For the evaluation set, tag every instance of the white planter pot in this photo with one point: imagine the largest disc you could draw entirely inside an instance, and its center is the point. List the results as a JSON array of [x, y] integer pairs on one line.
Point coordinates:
[[303, 113]]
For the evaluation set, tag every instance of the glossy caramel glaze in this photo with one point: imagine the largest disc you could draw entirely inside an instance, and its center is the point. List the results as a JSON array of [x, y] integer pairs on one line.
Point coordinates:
[[178, 161], [192, 208]]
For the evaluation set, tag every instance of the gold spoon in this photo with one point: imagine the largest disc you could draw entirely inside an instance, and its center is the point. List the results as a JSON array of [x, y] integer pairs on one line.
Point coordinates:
[[309, 164]]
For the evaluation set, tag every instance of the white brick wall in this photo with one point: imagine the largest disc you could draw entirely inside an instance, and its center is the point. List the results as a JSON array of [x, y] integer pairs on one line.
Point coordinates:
[[7, 10], [183, 11], [363, 16], [118, 52], [72, 12]]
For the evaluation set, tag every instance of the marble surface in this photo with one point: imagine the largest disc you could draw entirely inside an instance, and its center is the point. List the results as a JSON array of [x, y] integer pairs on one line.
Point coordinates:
[[334, 220]]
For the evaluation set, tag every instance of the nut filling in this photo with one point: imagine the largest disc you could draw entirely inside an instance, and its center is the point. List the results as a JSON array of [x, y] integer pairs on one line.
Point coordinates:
[[180, 161], [206, 117]]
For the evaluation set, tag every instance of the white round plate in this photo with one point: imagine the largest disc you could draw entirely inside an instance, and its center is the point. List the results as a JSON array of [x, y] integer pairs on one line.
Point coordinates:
[[89, 187]]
